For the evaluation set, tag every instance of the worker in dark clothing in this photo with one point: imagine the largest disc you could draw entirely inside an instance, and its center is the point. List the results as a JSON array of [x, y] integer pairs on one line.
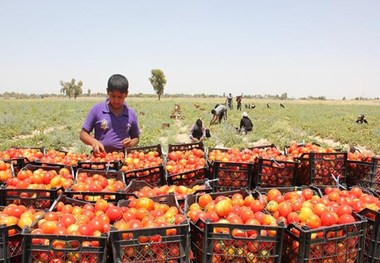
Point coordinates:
[[246, 124]]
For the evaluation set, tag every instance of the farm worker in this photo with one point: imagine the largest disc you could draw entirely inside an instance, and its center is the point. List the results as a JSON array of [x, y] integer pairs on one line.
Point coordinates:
[[229, 101], [218, 113], [198, 131], [238, 102], [245, 123], [361, 119], [114, 123]]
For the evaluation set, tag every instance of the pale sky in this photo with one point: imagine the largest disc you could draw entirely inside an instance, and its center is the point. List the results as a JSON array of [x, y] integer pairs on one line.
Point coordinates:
[[305, 48]]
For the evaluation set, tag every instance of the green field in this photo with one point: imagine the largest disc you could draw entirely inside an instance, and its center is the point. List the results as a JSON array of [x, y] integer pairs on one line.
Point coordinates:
[[55, 123]]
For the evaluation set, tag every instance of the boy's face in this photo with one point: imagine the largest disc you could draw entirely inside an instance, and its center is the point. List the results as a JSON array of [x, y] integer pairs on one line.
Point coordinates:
[[116, 99]]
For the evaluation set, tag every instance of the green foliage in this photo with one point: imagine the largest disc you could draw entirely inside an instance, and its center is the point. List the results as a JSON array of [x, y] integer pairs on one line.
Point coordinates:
[[158, 81], [71, 89]]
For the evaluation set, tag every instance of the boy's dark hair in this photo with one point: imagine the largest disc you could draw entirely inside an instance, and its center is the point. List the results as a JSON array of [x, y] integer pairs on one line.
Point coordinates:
[[213, 111], [117, 82]]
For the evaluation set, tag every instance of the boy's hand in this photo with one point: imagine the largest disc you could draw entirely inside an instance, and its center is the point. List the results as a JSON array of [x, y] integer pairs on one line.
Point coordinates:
[[97, 148], [126, 142]]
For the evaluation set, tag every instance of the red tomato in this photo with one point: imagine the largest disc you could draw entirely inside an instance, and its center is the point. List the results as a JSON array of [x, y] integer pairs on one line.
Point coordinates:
[[344, 209], [114, 213], [86, 229], [328, 218], [346, 219]]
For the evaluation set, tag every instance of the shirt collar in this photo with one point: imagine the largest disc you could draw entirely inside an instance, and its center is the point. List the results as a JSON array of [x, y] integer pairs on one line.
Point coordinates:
[[106, 108]]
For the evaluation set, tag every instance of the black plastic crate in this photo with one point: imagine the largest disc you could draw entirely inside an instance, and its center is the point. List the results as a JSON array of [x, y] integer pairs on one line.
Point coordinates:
[[153, 175], [187, 178], [337, 243], [145, 149], [186, 146], [92, 196], [358, 171], [59, 248], [36, 198], [372, 240], [375, 176], [112, 165], [159, 244], [227, 176], [321, 168], [10, 243], [271, 172], [224, 242]]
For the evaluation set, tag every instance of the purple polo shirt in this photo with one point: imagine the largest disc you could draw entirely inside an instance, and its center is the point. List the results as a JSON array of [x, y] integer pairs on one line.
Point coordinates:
[[109, 129]]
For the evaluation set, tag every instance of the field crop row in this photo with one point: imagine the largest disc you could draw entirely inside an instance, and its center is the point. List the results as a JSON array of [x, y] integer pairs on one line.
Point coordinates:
[[55, 123]]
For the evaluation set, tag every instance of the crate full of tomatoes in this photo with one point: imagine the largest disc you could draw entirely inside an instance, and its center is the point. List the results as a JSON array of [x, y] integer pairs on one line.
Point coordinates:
[[20, 156], [70, 231], [367, 205], [360, 165], [36, 186], [233, 227], [13, 218], [278, 171], [320, 228], [151, 230], [144, 163], [230, 169], [185, 164], [103, 161], [318, 165], [374, 183], [90, 185]]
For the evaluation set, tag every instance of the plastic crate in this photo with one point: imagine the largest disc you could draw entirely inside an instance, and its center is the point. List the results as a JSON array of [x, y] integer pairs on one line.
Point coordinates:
[[358, 171], [321, 168], [375, 176], [372, 240], [188, 178], [37, 198], [337, 243], [90, 196], [59, 248], [155, 176], [10, 243], [145, 149], [159, 244], [271, 172], [224, 242], [186, 146], [228, 176]]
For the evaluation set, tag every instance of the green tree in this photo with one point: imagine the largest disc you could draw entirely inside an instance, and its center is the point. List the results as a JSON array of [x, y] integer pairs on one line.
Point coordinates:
[[158, 81], [71, 89]]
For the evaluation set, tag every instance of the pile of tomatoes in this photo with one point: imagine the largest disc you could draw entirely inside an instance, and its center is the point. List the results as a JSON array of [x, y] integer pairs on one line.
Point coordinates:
[[139, 160], [5, 171], [32, 154], [184, 167], [101, 161], [89, 184], [65, 158]]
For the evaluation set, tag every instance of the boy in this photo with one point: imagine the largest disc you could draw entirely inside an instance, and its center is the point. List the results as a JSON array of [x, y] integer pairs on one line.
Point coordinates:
[[115, 125]]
